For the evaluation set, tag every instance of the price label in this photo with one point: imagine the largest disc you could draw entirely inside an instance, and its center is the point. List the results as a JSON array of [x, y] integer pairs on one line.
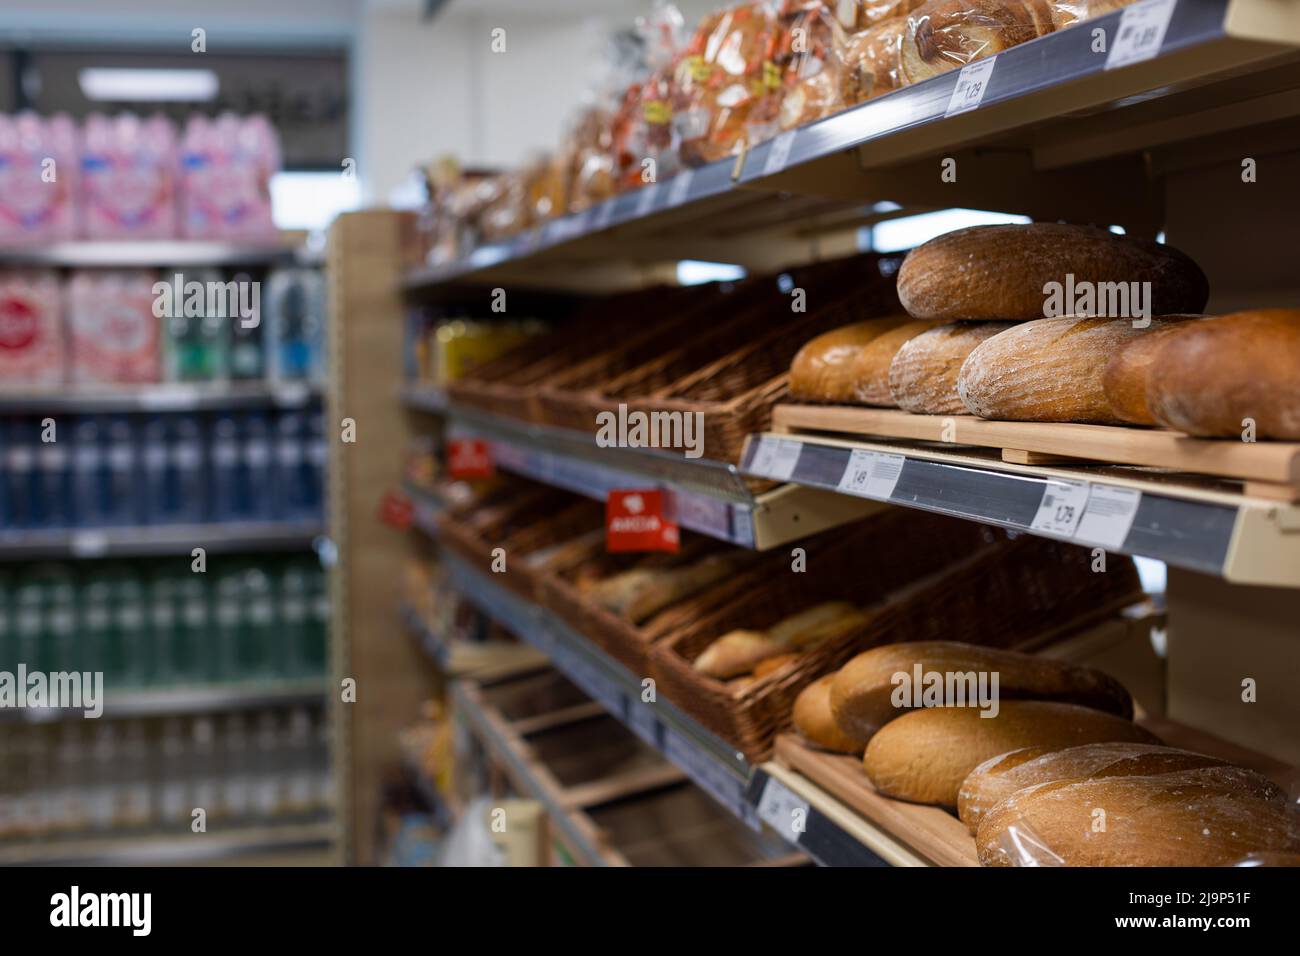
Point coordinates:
[[645, 200], [783, 810], [636, 520], [871, 474], [681, 187], [469, 458], [396, 510], [972, 84], [1141, 32], [1109, 516], [776, 458], [1061, 507], [779, 153]]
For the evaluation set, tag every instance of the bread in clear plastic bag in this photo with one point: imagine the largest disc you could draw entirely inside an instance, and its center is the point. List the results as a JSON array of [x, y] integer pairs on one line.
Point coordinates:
[[805, 63], [858, 15], [872, 62], [945, 35], [1066, 13], [1211, 816]]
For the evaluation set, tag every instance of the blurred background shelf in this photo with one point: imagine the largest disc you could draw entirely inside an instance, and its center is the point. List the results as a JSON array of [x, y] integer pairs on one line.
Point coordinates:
[[160, 398], [196, 699], [155, 540], [239, 843], [145, 253]]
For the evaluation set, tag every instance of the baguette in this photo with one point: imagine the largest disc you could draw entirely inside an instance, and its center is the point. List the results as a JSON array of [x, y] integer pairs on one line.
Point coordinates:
[[924, 756], [1048, 370], [773, 664], [862, 693], [736, 653], [821, 370], [812, 718], [999, 777], [1205, 817], [923, 374], [1126, 378], [1003, 272], [871, 367], [816, 624], [1214, 374]]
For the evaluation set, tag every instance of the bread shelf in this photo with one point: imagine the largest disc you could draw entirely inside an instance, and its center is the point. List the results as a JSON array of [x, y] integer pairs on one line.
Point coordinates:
[[709, 497], [158, 540], [147, 253], [1056, 135], [709, 762], [161, 398], [480, 660], [1191, 523]]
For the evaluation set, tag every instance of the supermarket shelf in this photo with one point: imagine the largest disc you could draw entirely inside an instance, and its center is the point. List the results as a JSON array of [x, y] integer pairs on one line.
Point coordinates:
[[1222, 65], [188, 700], [152, 540], [484, 661], [712, 764], [178, 848], [1195, 524], [160, 398], [145, 253], [424, 398], [709, 497]]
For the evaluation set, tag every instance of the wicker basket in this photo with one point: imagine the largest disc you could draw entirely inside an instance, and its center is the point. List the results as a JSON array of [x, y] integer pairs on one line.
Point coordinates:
[[1038, 590]]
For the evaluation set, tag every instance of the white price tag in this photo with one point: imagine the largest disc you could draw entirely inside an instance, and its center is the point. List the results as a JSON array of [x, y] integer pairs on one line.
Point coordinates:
[[1061, 507], [872, 474], [783, 810], [779, 154], [1109, 516], [1140, 33], [645, 200], [972, 84], [681, 187], [776, 458]]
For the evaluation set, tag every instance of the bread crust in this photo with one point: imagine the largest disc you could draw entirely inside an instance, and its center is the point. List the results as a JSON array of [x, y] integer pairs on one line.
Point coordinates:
[[860, 695], [1127, 375], [944, 35], [924, 755], [812, 718], [822, 369], [1000, 272], [871, 367], [1214, 374], [923, 373]]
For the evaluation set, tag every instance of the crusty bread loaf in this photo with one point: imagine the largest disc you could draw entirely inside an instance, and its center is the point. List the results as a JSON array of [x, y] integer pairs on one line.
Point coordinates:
[[736, 653], [925, 755], [822, 369], [1205, 817], [1127, 375], [923, 374], [1048, 370], [871, 367], [640, 593], [816, 624], [773, 664], [864, 694], [812, 718], [1003, 272], [999, 777], [944, 35], [1213, 374]]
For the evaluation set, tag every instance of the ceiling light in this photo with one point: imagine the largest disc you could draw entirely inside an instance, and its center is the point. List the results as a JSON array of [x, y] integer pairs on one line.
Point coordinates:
[[152, 86]]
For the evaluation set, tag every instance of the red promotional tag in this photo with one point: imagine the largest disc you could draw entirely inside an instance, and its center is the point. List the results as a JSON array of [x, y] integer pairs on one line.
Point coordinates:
[[469, 458], [396, 510], [636, 521]]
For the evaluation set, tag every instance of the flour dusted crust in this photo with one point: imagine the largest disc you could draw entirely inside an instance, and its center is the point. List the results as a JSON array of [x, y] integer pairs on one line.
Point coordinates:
[[923, 373], [925, 755], [994, 780], [860, 695], [944, 35], [812, 718], [871, 367], [999, 272], [1048, 370], [1127, 375], [1206, 817], [1215, 373], [822, 369]]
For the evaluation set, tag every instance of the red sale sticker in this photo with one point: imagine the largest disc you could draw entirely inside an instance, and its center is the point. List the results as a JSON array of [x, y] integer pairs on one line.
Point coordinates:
[[639, 521], [396, 510], [469, 458]]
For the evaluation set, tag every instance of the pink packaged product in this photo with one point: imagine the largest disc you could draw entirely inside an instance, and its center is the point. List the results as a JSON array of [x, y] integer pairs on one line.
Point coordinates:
[[38, 178], [31, 328], [226, 169], [128, 177], [113, 333]]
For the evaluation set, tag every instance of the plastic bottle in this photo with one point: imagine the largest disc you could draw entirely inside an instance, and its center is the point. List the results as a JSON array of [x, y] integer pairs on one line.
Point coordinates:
[[90, 474], [246, 334], [226, 476], [173, 799], [228, 615], [293, 479], [258, 473], [195, 346], [54, 468], [155, 471], [297, 620], [260, 641], [130, 629], [22, 485], [63, 650], [125, 497], [187, 468]]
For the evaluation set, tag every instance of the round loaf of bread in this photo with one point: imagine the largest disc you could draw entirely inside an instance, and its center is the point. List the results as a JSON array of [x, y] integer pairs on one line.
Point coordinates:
[[1048, 370], [1006, 272], [812, 718], [871, 367], [863, 692], [1213, 375], [1205, 817], [944, 35], [925, 755], [923, 373], [998, 778], [822, 370], [1127, 376]]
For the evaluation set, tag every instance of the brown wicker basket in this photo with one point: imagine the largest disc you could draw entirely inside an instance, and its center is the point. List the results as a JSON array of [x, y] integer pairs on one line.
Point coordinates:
[[1005, 594]]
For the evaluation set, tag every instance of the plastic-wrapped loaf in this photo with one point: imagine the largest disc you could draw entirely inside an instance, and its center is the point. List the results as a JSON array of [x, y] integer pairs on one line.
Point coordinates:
[[808, 59], [724, 74], [872, 62], [1211, 816], [945, 35], [651, 134], [591, 160], [858, 15]]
